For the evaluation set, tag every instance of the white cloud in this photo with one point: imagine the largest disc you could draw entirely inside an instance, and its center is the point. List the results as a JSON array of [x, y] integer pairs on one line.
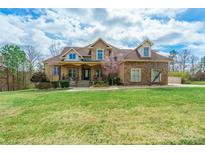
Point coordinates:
[[9, 31], [118, 26]]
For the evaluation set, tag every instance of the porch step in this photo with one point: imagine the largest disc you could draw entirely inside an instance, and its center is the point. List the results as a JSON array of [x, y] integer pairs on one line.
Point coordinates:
[[73, 84], [83, 83]]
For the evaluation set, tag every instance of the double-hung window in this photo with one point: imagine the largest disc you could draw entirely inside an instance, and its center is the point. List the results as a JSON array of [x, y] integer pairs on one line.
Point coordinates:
[[72, 72], [72, 56], [55, 70], [135, 75], [156, 75], [98, 73], [100, 54], [146, 51]]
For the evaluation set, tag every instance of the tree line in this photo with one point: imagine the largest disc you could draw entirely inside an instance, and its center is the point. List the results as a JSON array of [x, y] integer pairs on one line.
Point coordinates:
[[186, 61], [20, 62]]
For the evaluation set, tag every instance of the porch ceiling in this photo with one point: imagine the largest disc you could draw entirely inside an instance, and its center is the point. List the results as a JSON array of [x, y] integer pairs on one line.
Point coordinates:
[[80, 63]]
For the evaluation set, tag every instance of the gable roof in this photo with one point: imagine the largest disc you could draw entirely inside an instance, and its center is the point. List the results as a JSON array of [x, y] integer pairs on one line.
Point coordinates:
[[83, 51], [146, 40], [99, 39], [155, 56], [70, 49], [121, 54]]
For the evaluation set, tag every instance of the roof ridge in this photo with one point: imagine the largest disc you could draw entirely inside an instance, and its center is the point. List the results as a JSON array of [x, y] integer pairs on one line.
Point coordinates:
[[99, 39]]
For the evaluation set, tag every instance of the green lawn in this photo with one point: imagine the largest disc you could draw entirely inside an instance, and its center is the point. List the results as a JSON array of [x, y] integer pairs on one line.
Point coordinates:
[[198, 82], [135, 116]]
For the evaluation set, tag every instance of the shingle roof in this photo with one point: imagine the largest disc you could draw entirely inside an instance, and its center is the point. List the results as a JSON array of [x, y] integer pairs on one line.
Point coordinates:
[[121, 54], [81, 50], [134, 55], [53, 60]]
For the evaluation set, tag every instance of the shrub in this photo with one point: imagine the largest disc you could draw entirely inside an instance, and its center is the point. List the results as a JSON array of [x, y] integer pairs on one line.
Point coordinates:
[[117, 81], [55, 84], [64, 83], [60, 84], [184, 76], [199, 76], [43, 85], [39, 77], [113, 79], [110, 79], [100, 84]]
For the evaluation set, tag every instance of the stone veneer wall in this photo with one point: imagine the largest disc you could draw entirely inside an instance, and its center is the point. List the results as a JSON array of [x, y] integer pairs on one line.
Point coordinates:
[[146, 68]]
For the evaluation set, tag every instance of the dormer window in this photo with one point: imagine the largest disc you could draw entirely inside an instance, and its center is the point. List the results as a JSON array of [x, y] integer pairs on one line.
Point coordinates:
[[100, 54], [72, 56], [146, 52]]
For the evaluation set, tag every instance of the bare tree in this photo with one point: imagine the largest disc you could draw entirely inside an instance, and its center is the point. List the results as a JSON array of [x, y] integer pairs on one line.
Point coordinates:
[[173, 57], [193, 62], [55, 48], [184, 59], [33, 57], [201, 65]]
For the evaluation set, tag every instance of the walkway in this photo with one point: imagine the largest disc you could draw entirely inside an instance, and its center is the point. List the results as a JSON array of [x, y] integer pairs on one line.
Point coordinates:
[[131, 87]]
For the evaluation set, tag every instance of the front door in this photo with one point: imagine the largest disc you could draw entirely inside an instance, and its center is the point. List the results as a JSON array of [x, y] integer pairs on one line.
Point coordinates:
[[86, 74]]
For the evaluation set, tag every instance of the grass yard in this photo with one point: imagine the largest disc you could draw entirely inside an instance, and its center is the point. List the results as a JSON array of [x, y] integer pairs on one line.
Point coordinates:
[[198, 82], [134, 116]]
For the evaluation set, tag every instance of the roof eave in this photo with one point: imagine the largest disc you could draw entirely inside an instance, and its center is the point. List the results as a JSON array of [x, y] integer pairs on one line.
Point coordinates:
[[61, 57], [145, 60]]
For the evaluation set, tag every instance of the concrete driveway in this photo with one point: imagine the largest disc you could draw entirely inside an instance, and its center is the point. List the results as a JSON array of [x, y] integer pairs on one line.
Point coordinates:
[[185, 85]]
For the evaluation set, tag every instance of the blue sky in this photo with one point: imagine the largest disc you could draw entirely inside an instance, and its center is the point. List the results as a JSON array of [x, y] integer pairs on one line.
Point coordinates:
[[168, 28]]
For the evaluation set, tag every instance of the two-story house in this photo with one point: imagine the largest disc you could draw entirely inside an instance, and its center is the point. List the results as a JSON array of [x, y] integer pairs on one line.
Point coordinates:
[[139, 66]]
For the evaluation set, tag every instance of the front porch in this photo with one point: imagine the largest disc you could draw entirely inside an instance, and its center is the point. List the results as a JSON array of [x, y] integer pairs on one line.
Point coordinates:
[[80, 73]]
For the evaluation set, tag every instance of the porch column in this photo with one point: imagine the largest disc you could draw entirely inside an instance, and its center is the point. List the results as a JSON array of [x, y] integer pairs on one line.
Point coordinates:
[[92, 72], [79, 73], [60, 77], [64, 71]]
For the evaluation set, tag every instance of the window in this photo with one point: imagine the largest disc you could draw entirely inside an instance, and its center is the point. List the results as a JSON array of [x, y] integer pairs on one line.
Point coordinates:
[[156, 75], [72, 73], [55, 70], [98, 73], [109, 53], [100, 54], [115, 58], [146, 51], [72, 56], [135, 74]]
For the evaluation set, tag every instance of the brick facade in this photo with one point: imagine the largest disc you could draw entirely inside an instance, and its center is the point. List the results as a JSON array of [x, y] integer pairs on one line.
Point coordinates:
[[126, 58], [146, 68]]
